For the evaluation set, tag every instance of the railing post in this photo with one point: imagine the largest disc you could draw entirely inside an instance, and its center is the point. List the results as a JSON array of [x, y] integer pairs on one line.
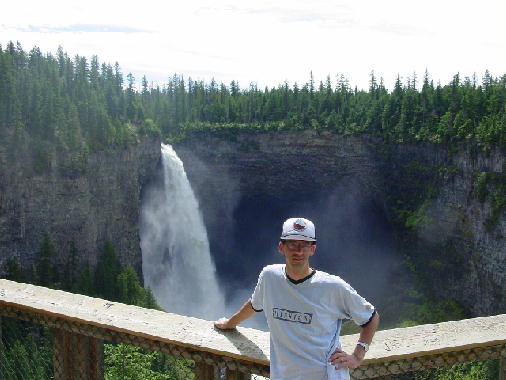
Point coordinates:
[[204, 371], [502, 369], [236, 375], [1, 348], [77, 356]]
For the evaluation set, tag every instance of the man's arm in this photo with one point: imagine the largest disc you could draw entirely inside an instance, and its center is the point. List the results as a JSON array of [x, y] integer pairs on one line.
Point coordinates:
[[342, 359], [245, 312]]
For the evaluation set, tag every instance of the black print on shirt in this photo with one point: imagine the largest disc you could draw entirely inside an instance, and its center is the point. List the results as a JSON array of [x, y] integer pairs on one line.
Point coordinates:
[[292, 316]]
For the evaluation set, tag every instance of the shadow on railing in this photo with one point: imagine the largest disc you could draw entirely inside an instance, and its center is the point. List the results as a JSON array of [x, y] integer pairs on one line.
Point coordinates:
[[81, 324]]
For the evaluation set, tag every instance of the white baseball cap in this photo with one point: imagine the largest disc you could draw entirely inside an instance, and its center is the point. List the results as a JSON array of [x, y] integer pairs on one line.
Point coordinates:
[[298, 229]]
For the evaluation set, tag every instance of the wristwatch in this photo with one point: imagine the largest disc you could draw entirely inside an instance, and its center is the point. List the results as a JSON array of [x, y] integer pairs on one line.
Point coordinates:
[[365, 345]]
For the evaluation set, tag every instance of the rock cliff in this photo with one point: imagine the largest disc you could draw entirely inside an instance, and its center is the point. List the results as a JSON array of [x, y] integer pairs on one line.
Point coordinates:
[[459, 227], [420, 200], [372, 201], [87, 198]]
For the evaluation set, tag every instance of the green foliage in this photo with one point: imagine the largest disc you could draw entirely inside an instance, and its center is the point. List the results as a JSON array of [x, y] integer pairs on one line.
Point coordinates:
[[67, 103], [26, 352], [418, 217], [412, 186], [129, 363], [41, 158], [498, 204], [72, 102], [106, 274], [85, 281], [46, 272], [109, 279], [149, 128], [484, 370], [13, 270], [492, 185], [131, 292], [133, 363], [429, 311], [22, 361]]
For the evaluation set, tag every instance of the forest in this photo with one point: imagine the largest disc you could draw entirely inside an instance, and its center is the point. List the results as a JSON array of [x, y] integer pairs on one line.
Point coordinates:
[[84, 104], [80, 105], [27, 348]]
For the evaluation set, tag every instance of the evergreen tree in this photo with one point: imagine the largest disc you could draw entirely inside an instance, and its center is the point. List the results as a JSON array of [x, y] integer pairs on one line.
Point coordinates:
[[129, 288], [13, 270], [46, 270], [85, 280], [107, 270]]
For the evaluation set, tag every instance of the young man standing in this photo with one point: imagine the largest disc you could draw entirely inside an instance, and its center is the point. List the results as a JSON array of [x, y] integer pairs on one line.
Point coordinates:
[[304, 310]]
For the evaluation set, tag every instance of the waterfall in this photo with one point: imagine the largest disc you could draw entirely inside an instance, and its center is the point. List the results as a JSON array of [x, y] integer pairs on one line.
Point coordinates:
[[176, 259]]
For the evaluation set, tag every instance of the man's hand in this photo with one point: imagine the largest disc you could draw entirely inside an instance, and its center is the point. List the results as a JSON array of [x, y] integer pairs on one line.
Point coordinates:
[[244, 312], [224, 324], [341, 360]]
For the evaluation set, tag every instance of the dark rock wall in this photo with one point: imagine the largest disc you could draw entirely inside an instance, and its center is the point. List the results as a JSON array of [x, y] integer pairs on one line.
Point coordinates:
[[249, 184], [89, 203], [462, 255], [425, 193], [355, 188]]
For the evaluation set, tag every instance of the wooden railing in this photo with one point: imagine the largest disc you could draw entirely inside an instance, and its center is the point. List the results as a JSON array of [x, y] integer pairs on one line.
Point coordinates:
[[81, 324]]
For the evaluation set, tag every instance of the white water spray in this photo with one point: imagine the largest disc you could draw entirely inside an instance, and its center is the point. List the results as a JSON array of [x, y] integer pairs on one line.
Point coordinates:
[[176, 260]]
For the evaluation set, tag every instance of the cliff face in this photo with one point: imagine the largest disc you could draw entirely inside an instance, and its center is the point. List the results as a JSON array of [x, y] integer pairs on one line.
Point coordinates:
[[460, 231], [89, 199], [428, 197], [440, 209]]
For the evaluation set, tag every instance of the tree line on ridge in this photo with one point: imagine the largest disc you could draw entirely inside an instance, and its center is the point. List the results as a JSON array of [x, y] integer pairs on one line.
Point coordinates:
[[82, 104]]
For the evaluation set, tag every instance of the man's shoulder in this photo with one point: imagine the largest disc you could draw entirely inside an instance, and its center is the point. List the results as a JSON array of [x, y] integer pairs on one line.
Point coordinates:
[[327, 278], [274, 269], [272, 272]]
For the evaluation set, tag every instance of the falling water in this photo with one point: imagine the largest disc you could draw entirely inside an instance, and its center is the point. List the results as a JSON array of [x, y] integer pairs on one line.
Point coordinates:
[[176, 260]]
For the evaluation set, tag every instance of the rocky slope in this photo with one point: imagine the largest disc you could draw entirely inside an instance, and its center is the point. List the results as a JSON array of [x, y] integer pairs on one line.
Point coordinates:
[[89, 199]]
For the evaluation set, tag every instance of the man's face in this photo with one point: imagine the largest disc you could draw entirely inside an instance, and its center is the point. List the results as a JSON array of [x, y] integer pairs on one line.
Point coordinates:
[[297, 252]]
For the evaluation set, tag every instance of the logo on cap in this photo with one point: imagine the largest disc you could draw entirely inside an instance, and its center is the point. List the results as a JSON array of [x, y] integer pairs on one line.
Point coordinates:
[[299, 225]]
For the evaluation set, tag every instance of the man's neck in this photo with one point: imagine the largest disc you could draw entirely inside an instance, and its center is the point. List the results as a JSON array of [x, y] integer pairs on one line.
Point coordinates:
[[298, 273]]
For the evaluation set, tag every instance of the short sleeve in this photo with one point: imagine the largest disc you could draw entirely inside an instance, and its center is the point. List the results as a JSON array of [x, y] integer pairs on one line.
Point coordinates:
[[355, 306], [257, 298]]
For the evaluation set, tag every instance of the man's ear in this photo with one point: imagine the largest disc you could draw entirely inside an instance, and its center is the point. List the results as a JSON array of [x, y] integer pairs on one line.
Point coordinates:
[[280, 247], [313, 249]]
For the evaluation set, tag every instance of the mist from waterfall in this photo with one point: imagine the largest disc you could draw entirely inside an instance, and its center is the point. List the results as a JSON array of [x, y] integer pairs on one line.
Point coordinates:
[[176, 259]]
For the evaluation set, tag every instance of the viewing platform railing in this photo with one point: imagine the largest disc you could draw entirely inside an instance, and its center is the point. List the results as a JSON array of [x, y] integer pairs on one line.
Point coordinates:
[[81, 324]]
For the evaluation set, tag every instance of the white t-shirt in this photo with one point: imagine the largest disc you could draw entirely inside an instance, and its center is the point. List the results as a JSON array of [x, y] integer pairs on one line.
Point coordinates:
[[305, 320]]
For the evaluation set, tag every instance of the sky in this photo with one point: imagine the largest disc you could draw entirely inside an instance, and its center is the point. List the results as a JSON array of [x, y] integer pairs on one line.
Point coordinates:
[[269, 42]]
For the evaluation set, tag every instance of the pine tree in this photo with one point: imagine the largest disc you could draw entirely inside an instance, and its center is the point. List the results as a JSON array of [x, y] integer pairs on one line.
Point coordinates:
[[106, 273], [13, 270], [129, 288]]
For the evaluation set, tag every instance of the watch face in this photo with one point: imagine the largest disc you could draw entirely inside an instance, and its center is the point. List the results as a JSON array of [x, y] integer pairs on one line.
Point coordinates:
[[365, 345]]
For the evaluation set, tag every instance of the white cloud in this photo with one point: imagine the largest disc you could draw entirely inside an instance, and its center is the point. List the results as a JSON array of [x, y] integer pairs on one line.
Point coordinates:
[[270, 41]]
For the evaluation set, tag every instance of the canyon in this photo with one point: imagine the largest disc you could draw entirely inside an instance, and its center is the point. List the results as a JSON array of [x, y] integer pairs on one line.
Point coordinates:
[[375, 203]]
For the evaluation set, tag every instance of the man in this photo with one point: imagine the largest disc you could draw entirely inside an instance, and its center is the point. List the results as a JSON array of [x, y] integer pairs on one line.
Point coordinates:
[[304, 310]]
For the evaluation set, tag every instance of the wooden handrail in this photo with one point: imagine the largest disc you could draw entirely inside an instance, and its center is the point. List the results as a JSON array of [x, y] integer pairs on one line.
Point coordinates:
[[246, 350]]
